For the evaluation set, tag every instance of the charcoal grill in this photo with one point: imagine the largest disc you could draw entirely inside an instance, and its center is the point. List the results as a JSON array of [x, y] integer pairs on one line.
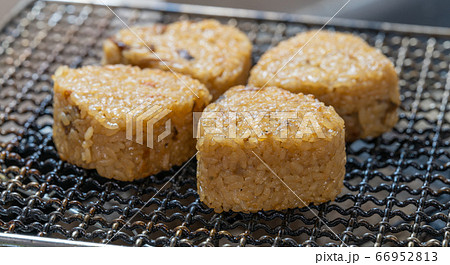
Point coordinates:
[[397, 186]]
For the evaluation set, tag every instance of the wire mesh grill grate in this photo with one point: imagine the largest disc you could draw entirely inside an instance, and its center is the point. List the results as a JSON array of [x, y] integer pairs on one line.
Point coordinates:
[[397, 186]]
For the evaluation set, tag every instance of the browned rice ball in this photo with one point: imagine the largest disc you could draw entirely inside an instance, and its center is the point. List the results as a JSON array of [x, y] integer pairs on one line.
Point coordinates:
[[341, 70], [90, 108], [217, 55], [230, 174]]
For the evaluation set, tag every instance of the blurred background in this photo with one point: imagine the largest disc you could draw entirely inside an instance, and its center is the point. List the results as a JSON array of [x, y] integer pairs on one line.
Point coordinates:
[[420, 12]]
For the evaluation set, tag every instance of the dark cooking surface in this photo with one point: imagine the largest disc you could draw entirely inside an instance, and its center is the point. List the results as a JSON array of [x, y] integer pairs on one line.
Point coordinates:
[[397, 187]]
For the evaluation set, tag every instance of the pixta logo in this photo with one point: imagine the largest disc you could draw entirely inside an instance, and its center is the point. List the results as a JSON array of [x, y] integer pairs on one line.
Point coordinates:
[[149, 115], [259, 124]]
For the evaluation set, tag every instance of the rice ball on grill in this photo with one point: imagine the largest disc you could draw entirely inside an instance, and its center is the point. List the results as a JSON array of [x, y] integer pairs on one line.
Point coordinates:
[[217, 55], [341, 70], [125, 122], [257, 147]]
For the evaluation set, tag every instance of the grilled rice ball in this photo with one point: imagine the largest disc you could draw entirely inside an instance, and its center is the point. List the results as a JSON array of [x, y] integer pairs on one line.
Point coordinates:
[[94, 106], [341, 70], [300, 141], [217, 55]]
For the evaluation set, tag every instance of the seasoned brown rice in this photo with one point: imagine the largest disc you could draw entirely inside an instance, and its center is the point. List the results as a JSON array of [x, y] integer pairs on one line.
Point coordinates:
[[340, 70], [230, 174], [91, 105], [217, 55]]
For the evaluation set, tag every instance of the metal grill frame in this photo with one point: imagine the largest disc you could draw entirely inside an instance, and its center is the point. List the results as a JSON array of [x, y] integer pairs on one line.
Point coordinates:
[[397, 186]]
